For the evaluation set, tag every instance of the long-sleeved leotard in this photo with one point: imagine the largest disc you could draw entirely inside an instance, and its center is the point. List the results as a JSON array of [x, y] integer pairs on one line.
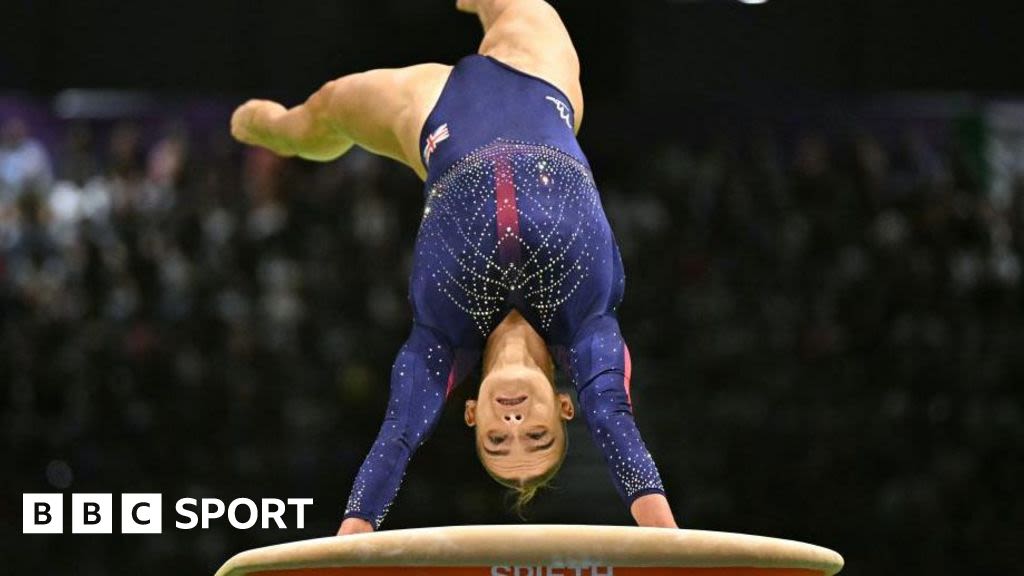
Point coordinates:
[[512, 219]]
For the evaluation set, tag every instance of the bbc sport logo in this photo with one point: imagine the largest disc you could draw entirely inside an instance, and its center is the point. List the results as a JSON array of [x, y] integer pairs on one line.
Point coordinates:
[[143, 513]]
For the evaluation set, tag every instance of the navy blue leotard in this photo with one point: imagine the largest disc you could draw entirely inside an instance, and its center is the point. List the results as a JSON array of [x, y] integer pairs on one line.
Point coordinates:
[[512, 219]]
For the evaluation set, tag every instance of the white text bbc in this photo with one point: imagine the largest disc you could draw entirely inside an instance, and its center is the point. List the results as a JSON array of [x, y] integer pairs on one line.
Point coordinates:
[[142, 513]]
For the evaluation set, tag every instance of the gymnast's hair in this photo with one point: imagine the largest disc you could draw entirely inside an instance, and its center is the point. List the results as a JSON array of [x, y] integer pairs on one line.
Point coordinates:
[[525, 490]]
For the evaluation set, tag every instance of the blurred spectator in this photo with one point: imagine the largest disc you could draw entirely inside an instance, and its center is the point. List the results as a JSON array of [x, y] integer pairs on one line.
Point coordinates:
[[24, 163]]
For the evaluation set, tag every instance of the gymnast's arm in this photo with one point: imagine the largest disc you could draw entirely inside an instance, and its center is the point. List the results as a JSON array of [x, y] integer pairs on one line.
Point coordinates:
[[379, 110], [419, 381], [599, 358]]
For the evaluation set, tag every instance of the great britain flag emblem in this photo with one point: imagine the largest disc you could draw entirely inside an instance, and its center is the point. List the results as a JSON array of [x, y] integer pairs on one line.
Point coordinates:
[[436, 137]]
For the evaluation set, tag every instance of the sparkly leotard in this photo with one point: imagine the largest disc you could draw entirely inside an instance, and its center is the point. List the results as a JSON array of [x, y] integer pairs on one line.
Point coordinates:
[[512, 219]]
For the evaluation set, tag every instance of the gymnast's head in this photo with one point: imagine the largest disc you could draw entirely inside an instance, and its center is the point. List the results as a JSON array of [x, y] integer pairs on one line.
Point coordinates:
[[520, 418]]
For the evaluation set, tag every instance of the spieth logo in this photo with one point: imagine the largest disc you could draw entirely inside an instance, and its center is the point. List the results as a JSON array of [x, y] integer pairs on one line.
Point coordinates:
[[142, 513], [552, 571]]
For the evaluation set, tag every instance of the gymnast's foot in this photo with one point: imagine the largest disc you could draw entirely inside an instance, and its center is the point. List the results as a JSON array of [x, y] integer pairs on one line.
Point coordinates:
[[466, 6], [250, 121]]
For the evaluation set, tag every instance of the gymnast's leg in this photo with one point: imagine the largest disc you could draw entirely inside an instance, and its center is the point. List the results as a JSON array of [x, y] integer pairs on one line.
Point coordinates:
[[529, 36], [379, 110]]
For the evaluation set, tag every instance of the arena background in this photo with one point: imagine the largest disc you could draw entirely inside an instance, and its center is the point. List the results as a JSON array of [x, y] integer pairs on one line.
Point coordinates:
[[821, 210]]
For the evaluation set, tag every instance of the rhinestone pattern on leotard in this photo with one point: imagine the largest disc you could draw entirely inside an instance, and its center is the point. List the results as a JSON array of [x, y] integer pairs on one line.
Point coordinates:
[[418, 392], [544, 254], [600, 371]]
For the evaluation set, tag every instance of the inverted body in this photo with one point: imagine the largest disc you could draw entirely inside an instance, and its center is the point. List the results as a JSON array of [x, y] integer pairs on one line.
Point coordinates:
[[512, 220]]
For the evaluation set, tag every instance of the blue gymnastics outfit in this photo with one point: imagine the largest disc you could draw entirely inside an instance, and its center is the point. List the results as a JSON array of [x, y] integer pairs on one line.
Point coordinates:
[[512, 220]]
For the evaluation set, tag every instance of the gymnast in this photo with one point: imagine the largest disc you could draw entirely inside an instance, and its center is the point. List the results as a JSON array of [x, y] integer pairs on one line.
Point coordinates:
[[514, 265]]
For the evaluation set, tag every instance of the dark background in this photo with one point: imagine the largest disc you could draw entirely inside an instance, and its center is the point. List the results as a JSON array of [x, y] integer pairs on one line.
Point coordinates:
[[626, 47], [821, 298]]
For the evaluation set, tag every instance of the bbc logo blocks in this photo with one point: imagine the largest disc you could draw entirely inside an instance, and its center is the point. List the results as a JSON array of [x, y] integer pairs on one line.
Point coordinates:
[[42, 513], [141, 514], [91, 514]]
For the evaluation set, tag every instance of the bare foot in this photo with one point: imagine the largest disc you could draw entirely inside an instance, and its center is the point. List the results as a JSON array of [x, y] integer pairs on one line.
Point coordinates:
[[249, 121], [466, 6]]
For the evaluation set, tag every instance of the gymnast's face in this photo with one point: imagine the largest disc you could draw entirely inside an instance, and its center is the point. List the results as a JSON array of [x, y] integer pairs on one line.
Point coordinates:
[[519, 423]]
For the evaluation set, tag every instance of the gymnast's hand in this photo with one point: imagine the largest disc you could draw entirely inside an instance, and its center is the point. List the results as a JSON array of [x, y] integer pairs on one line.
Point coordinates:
[[653, 510], [354, 526]]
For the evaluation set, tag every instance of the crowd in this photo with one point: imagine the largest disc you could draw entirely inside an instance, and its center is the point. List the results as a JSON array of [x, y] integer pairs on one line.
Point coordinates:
[[826, 333]]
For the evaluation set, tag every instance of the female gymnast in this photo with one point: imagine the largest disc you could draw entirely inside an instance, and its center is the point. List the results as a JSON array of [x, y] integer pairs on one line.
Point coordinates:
[[514, 260]]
